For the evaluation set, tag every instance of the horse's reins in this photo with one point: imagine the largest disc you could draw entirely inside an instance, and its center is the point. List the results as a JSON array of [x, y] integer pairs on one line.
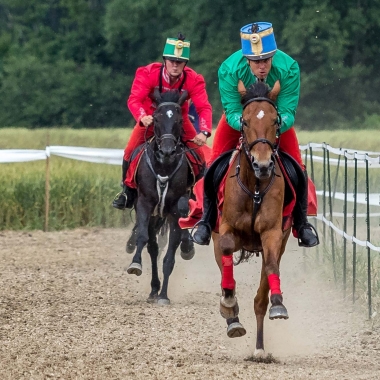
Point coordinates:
[[257, 196]]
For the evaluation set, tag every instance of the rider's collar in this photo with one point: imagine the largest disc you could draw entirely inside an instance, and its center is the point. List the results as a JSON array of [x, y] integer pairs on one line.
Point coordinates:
[[166, 76], [260, 80]]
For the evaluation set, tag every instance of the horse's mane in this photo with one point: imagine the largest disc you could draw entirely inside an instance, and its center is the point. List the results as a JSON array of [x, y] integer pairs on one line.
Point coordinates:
[[170, 96], [256, 90]]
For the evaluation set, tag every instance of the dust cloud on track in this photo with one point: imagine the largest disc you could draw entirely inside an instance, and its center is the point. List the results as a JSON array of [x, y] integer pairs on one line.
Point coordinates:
[[69, 310]]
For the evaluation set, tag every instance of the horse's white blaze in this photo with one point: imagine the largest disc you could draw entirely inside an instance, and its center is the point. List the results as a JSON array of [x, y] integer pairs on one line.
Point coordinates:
[[169, 113], [261, 114]]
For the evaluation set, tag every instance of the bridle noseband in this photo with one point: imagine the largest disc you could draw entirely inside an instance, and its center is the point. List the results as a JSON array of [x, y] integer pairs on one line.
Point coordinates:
[[243, 123], [170, 136], [257, 195], [162, 182]]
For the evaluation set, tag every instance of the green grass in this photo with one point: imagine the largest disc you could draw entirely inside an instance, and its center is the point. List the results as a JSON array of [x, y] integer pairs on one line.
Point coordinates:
[[368, 140], [22, 138], [81, 192]]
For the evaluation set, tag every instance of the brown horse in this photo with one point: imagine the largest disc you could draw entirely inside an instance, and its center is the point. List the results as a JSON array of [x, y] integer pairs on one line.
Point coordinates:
[[251, 220]]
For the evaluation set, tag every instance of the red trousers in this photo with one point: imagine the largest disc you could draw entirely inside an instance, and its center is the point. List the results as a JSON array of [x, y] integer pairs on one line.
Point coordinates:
[[226, 138], [141, 134]]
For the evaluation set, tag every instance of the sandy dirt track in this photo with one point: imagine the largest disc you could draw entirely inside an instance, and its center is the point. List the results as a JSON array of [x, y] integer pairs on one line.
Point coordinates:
[[69, 310]]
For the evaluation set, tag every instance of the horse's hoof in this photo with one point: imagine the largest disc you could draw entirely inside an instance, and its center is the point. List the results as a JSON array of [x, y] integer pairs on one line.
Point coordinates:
[[135, 268], [228, 301], [236, 330], [188, 255], [259, 353], [278, 312], [229, 312], [152, 299], [163, 301]]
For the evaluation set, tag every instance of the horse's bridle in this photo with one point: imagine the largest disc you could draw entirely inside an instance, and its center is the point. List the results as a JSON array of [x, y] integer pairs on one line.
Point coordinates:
[[169, 136], [162, 183], [243, 123], [258, 195]]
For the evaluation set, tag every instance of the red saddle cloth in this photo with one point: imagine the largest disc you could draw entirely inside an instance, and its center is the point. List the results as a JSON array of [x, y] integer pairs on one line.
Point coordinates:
[[196, 206], [193, 162]]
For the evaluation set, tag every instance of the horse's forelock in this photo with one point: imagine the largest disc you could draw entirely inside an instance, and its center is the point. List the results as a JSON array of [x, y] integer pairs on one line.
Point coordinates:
[[256, 90], [170, 96]]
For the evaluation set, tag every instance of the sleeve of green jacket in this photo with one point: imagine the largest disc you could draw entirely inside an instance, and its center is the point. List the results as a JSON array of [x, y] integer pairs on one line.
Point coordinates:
[[230, 97], [287, 100]]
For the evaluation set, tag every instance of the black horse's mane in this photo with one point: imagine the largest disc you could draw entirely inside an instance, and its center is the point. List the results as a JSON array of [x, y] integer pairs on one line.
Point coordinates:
[[169, 96], [256, 90]]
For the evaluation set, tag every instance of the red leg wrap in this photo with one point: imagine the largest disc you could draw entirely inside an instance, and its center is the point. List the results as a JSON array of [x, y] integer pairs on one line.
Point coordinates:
[[228, 281], [274, 284]]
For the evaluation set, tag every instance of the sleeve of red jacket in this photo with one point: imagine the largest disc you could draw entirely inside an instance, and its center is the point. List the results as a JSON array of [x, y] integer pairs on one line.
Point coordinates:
[[140, 90], [199, 97]]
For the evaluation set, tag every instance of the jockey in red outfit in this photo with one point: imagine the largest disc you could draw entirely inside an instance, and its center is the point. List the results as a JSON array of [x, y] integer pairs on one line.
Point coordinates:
[[173, 74], [259, 60]]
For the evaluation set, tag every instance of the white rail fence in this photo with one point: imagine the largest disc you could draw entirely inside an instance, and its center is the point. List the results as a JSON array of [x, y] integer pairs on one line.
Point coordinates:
[[114, 157]]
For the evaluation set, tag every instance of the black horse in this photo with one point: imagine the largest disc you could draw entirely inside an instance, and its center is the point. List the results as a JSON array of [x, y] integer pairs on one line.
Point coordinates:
[[163, 183]]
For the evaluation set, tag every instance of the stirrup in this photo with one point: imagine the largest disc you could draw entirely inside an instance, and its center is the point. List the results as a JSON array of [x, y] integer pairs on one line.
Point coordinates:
[[203, 241], [117, 202], [314, 232]]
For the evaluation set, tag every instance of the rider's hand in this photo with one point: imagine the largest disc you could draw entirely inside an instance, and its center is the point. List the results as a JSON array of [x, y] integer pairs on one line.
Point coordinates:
[[147, 120], [200, 139]]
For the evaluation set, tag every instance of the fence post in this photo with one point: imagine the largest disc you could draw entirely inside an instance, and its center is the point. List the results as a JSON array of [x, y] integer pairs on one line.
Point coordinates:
[[354, 230], [345, 227], [368, 239], [331, 212], [324, 195], [313, 179], [47, 184]]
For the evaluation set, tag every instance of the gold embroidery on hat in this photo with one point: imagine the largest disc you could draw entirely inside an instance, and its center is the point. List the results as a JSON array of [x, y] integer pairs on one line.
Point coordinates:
[[178, 50], [256, 43], [178, 47]]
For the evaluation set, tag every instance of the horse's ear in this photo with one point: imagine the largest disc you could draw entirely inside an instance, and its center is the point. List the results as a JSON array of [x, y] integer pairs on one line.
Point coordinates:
[[241, 88], [157, 96], [275, 91], [182, 98]]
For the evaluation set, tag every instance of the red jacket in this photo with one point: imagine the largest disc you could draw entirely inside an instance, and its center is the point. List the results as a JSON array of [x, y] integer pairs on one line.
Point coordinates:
[[147, 80]]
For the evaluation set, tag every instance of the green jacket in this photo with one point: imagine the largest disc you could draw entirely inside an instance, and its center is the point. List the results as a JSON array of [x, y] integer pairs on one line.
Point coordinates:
[[284, 68]]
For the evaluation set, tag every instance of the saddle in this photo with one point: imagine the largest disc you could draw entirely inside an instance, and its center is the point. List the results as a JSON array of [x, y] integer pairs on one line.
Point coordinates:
[[214, 183], [195, 164]]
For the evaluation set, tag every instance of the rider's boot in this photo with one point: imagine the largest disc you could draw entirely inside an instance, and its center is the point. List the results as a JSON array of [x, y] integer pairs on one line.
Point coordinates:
[[205, 226], [124, 199], [212, 179], [307, 234]]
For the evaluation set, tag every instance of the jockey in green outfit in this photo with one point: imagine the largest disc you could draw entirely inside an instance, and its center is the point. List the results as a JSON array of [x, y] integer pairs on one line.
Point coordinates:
[[258, 60]]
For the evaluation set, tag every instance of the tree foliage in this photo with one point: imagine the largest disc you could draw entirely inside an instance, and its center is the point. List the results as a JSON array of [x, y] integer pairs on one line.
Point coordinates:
[[71, 62]]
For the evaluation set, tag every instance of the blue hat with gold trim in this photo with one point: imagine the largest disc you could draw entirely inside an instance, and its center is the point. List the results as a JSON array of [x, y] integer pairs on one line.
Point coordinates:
[[177, 49], [257, 41]]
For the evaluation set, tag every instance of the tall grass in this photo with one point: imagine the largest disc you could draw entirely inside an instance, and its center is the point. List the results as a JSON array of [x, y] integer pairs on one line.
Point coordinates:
[[81, 193], [368, 140]]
